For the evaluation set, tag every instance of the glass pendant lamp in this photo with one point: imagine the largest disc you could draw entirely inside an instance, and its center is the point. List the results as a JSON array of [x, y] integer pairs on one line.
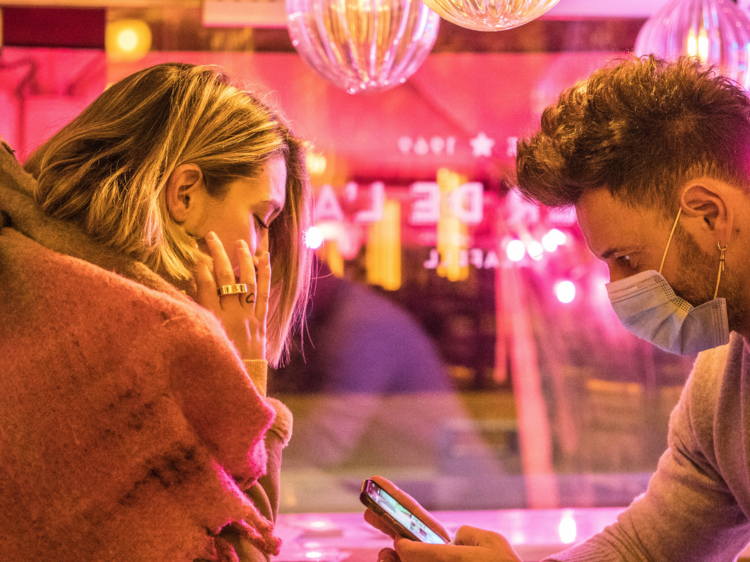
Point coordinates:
[[362, 45], [715, 31], [490, 15]]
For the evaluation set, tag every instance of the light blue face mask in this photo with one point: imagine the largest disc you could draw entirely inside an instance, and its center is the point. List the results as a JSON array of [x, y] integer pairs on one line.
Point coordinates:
[[649, 308]]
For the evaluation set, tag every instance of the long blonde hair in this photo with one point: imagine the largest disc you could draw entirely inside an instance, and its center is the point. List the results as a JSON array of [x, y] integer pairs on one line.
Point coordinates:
[[106, 172]]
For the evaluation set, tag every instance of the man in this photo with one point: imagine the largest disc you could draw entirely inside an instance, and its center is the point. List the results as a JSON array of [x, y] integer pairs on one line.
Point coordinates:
[[655, 157]]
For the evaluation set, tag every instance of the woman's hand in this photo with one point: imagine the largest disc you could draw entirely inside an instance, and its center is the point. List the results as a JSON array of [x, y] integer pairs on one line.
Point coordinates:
[[244, 316]]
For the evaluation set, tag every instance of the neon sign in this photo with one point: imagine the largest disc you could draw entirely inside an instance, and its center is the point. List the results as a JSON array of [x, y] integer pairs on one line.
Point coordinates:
[[465, 202], [474, 256]]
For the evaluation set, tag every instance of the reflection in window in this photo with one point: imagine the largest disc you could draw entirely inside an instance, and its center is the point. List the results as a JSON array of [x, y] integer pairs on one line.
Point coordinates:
[[512, 386]]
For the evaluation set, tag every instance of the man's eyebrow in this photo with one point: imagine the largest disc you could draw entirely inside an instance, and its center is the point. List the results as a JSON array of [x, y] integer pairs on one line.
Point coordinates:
[[609, 253]]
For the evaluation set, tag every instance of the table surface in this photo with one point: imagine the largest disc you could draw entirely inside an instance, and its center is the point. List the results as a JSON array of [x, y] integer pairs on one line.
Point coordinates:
[[535, 534]]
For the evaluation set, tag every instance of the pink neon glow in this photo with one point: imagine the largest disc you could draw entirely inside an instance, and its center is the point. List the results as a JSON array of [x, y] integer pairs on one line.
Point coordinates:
[[549, 243], [565, 291], [535, 250], [559, 236], [313, 238], [515, 250], [553, 239], [568, 530]]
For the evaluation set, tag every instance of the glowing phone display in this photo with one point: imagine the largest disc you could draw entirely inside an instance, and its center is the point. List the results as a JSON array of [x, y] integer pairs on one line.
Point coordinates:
[[403, 521]]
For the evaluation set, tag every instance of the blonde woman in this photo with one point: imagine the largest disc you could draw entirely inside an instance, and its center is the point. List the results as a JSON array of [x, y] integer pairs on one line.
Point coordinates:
[[133, 422]]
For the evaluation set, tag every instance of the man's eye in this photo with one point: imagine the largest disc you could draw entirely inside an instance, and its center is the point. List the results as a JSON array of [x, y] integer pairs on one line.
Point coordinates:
[[626, 260]]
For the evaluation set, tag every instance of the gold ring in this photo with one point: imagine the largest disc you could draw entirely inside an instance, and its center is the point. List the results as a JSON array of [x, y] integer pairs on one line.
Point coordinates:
[[238, 289]]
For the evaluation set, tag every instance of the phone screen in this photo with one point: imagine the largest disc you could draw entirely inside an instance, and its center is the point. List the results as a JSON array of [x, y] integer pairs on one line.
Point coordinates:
[[388, 504]]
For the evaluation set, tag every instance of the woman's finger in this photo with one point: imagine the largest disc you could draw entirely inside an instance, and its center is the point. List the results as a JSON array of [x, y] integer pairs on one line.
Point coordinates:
[[264, 288], [205, 282], [247, 276], [222, 269]]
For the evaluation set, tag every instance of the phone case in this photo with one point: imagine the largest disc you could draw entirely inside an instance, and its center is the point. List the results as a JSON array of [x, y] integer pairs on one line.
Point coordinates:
[[396, 525]]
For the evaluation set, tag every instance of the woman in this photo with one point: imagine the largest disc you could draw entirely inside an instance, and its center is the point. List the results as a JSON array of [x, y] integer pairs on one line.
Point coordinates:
[[129, 427]]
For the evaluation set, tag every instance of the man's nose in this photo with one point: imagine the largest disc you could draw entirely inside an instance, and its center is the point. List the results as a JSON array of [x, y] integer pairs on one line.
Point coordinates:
[[615, 275]]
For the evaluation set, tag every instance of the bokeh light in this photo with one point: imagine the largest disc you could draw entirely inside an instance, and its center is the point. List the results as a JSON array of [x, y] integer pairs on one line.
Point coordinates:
[[127, 40], [316, 163], [515, 250], [559, 236], [565, 291], [535, 250], [313, 238], [567, 529], [554, 239]]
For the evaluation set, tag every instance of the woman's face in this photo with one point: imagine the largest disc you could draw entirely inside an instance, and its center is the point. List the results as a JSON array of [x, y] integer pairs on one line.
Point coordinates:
[[245, 212]]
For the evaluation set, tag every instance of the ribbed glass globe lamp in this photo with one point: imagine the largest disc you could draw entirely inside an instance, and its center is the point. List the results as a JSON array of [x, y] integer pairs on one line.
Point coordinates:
[[715, 31], [490, 15], [362, 45]]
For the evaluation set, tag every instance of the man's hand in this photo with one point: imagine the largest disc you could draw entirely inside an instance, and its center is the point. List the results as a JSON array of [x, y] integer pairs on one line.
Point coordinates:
[[469, 544], [409, 503]]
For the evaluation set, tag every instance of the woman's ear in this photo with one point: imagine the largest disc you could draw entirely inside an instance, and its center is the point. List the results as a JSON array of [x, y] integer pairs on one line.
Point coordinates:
[[185, 192], [707, 200]]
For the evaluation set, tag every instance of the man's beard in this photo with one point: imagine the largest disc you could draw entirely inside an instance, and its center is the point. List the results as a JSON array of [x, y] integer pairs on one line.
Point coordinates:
[[697, 279]]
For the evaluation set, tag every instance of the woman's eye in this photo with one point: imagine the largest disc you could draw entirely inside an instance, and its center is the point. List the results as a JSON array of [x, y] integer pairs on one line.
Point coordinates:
[[263, 225]]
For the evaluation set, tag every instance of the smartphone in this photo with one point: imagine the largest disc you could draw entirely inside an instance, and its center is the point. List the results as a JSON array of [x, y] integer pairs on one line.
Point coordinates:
[[403, 521]]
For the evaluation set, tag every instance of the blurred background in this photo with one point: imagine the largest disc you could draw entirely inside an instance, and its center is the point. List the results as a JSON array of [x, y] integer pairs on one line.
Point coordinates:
[[460, 341]]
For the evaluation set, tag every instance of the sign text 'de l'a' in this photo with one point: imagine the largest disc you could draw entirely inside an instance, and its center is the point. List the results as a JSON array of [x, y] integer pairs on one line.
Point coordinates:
[[426, 200]]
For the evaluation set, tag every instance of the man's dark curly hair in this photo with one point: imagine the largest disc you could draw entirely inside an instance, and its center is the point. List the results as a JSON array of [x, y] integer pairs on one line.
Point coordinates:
[[640, 128]]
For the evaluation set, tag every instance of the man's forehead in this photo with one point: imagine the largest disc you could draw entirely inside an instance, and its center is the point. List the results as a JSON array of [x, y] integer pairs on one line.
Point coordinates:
[[608, 223]]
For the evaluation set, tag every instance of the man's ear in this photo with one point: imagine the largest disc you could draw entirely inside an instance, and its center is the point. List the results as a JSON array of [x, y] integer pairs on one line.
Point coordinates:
[[184, 191], [707, 201]]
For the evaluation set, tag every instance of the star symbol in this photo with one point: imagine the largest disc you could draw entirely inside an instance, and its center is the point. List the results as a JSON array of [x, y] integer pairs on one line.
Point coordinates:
[[481, 145]]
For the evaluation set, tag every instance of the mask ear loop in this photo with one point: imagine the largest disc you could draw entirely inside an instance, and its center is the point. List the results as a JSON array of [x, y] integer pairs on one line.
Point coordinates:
[[674, 227], [722, 260]]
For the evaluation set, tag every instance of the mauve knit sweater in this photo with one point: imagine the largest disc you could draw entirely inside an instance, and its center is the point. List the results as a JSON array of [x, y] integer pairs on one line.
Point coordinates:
[[130, 430], [697, 506]]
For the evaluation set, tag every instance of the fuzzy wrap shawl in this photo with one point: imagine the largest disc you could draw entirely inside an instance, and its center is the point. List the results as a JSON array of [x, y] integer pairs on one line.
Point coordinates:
[[126, 415]]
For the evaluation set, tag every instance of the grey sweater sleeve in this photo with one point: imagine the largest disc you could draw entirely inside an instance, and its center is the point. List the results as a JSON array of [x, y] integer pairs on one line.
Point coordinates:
[[689, 511]]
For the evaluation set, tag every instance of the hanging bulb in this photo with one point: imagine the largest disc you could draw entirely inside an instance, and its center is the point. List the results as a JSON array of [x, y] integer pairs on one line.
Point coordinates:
[[362, 45], [127, 40], [494, 15], [717, 32], [692, 43]]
